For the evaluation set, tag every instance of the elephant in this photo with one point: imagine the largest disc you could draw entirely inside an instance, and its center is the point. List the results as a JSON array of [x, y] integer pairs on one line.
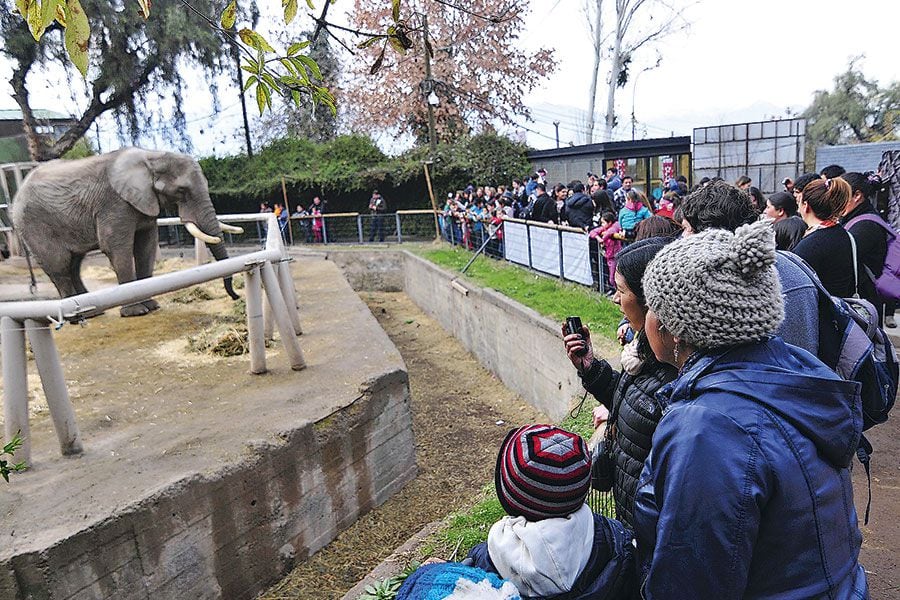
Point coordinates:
[[67, 208]]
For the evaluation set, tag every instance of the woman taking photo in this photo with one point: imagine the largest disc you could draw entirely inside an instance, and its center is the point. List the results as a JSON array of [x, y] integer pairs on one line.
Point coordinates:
[[747, 490], [627, 395]]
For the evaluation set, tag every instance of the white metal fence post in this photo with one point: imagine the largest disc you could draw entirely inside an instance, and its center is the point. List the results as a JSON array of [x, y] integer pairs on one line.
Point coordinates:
[[15, 386], [201, 254], [54, 383], [290, 294], [268, 322], [281, 317], [255, 328]]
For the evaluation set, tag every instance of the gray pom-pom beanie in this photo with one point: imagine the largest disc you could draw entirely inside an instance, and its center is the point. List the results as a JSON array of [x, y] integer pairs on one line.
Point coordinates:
[[717, 288]]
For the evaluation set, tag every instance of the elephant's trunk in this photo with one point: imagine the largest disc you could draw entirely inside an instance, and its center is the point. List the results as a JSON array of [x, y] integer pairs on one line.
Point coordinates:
[[219, 253], [200, 220]]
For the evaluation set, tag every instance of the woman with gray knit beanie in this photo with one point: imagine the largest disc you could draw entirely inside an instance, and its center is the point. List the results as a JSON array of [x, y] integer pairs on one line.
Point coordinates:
[[747, 492]]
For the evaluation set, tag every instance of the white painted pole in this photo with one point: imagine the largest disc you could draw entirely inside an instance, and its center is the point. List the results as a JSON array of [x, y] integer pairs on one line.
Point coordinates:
[[15, 386], [255, 333], [54, 383], [290, 294], [281, 317], [268, 322], [201, 254]]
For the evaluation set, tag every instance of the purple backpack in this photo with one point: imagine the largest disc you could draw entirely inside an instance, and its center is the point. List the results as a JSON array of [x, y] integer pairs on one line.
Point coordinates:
[[888, 284]]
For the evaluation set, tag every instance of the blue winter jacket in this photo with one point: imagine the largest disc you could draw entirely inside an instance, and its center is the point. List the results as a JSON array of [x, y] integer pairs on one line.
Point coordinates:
[[747, 493], [609, 573], [629, 219]]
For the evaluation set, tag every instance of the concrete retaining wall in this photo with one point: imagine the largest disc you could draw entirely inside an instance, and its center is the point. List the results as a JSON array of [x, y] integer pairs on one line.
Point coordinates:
[[376, 271], [521, 347], [230, 533]]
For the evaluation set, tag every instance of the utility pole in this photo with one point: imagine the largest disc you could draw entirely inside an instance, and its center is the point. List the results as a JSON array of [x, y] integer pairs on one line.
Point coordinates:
[[428, 101], [556, 124]]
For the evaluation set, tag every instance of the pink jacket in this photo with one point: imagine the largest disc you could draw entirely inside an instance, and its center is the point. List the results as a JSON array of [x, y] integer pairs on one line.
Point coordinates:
[[605, 233]]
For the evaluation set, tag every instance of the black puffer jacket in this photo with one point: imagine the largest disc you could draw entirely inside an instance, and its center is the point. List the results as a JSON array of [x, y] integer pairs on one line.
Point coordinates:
[[635, 421]]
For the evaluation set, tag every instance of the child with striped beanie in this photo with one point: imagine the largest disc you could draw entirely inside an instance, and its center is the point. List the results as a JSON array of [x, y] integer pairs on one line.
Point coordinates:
[[551, 545]]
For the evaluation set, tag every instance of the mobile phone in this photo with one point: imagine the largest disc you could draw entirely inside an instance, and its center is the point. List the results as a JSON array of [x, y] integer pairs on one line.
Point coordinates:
[[573, 325]]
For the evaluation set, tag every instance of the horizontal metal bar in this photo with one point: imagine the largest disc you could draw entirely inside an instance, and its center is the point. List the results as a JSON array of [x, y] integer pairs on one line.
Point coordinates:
[[240, 217], [324, 216], [544, 225], [416, 211], [134, 291]]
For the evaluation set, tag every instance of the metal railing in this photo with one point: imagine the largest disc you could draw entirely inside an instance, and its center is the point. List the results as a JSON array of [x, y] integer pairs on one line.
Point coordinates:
[[602, 503], [557, 250], [329, 228], [11, 177], [265, 270]]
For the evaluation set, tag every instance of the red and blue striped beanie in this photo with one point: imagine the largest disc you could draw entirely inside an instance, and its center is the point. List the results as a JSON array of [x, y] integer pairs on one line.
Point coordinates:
[[542, 472]]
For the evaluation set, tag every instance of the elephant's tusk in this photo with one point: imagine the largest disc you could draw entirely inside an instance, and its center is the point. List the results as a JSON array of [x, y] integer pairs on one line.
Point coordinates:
[[203, 237], [230, 228]]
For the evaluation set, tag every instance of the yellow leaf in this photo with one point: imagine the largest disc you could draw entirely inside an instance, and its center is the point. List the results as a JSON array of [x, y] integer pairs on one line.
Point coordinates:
[[254, 40], [48, 11], [78, 35], [395, 10], [144, 8], [60, 14], [261, 97], [35, 20], [22, 7], [311, 6], [229, 15], [290, 10], [397, 45]]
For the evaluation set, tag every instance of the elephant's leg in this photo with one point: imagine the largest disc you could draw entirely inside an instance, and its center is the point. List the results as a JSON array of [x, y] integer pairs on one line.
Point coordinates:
[[146, 241], [57, 264], [121, 256], [75, 273]]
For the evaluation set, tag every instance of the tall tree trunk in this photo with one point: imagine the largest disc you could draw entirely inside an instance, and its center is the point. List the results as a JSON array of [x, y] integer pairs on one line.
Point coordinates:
[[592, 94], [615, 69], [36, 146]]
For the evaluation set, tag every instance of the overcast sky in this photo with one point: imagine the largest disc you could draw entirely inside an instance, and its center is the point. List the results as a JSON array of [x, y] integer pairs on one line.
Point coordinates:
[[738, 61]]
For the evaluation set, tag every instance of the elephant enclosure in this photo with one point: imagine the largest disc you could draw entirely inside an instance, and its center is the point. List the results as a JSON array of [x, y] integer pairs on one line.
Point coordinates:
[[199, 479], [104, 359]]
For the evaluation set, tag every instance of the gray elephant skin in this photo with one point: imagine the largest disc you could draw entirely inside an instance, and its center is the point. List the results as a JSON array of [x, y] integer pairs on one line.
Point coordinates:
[[110, 202]]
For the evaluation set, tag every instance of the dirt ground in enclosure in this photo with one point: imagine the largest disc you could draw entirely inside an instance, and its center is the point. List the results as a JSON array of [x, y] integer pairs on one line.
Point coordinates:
[[456, 405], [92, 357]]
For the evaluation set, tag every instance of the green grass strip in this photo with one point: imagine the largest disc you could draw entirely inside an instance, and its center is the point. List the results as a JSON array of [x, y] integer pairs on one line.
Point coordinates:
[[550, 297]]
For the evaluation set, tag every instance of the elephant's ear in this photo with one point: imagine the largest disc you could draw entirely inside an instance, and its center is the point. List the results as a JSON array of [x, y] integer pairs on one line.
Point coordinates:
[[131, 178]]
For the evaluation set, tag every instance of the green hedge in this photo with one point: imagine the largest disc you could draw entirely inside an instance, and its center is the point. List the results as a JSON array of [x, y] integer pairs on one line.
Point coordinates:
[[346, 169]]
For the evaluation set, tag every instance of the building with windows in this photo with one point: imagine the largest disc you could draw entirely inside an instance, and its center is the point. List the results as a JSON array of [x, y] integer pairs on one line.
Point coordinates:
[[13, 145], [649, 162]]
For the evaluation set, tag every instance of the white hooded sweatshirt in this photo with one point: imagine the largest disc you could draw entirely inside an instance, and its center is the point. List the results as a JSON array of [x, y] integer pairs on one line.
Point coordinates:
[[542, 558]]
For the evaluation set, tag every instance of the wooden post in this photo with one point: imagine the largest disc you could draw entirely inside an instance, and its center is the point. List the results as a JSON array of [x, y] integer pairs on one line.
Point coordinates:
[[437, 229], [287, 207]]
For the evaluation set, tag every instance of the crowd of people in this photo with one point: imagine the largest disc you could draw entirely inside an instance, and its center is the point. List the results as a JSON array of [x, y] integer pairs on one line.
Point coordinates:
[[728, 433]]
